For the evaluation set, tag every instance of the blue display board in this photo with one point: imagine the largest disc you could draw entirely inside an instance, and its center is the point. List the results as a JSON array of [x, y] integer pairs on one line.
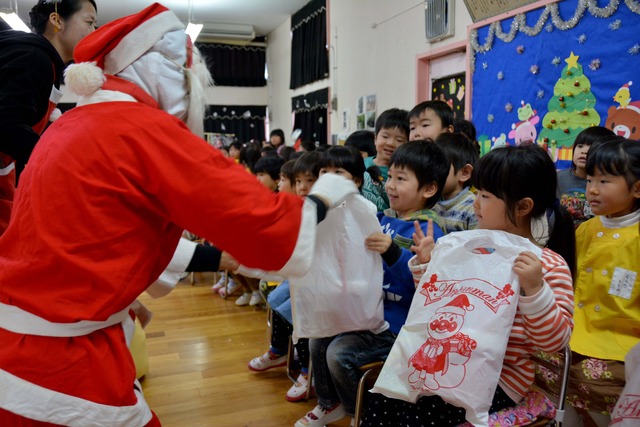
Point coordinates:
[[546, 75]]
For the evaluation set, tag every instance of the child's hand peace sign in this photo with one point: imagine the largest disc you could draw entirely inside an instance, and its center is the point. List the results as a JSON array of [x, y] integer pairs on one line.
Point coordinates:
[[423, 245]]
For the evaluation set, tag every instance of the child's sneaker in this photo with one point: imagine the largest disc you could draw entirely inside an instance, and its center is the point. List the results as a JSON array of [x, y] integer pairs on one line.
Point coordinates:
[[256, 298], [244, 299], [268, 360], [320, 417], [231, 287], [298, 390], [220, 283]]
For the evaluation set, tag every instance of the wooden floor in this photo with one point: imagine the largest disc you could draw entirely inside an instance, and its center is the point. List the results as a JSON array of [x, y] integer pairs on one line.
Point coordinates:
[[199, 346]]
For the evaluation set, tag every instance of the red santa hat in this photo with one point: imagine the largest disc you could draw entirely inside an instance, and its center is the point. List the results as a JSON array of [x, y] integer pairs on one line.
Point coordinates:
[[459, 305], [116, 45], [626, 86]]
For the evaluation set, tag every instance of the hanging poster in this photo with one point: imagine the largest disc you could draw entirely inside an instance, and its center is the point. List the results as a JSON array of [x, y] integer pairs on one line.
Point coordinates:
[[546, 75], [452, 91]]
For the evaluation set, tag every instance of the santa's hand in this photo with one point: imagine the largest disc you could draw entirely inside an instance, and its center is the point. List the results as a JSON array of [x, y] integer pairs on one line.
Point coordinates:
[[333, 189]]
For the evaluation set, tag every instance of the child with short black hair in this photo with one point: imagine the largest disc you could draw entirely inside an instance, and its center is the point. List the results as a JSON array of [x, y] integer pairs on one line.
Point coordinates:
[[392, 130], [287, 181], [267, 170], [456, 205], [306, 170], [345, 161], [417, 173], [572, 182], [364, 141], [429, 119]]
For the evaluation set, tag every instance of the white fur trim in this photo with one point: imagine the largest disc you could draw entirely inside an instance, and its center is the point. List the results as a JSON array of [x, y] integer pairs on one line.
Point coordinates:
[[55, 115], [302, 256], [105, 96], [138, 41], [177, 266], [84, 78], [38, 403]]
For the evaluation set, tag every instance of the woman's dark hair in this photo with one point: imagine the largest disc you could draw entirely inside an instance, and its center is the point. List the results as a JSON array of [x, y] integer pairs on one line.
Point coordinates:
[[277, 132], [517, 172], [348, 158], [428, 163], [270, 165], [363, 140], [39, 14], [590, 136]]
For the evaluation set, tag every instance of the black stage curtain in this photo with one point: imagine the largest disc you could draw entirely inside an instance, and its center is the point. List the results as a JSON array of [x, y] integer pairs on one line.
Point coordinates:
[[232, 65], [245, 122], [310, 115], [309, 54]]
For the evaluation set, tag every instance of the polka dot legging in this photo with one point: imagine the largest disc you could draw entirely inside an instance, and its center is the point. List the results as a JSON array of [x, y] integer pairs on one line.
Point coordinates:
[[428, 411], [280, 332]]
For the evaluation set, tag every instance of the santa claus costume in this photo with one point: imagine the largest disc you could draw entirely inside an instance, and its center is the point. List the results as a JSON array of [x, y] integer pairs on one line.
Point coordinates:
[[108, 191]]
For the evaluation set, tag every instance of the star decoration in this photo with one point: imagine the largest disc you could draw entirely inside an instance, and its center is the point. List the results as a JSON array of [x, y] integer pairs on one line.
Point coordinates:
[[572, 61]]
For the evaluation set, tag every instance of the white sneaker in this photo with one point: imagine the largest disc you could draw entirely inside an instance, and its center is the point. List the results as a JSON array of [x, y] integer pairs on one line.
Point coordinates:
[[298, 390], [320, 417], [231, 287], [244, 299], [220, 283], [267, 361], [256, 298]]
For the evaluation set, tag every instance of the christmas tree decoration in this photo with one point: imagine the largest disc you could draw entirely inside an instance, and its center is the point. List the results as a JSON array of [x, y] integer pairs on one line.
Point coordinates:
[[569, 112]]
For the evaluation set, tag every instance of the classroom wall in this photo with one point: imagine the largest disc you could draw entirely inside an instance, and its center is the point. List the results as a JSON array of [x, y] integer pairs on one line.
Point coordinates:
[[363, 60]]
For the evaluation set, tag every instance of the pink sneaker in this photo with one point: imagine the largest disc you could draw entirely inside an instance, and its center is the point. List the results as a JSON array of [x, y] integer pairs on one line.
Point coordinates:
[[231, 287]]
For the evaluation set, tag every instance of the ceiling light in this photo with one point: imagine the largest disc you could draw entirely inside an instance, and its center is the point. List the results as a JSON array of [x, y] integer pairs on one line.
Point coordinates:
[[14, 21]]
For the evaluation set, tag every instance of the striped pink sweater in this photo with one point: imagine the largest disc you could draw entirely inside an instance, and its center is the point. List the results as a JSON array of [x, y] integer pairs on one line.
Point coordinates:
[[543, 322]]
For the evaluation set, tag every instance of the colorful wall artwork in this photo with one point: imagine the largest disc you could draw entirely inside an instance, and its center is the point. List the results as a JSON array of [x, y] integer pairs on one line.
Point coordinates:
[[546, 75]]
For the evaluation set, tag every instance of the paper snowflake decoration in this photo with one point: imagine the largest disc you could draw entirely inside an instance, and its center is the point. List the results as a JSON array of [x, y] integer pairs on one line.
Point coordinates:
[[540, 94], [556, 61], [615, 25], [485, 65], [508, 107], [520, 50], [594, 65], [490, 118], [582, 38], [501, 75], [549, 28], [534, 69], [635, 49]]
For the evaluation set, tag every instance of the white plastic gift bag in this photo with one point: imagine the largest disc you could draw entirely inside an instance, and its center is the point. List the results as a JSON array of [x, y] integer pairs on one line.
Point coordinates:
[[342, 292], [627, 410], [455, 337]]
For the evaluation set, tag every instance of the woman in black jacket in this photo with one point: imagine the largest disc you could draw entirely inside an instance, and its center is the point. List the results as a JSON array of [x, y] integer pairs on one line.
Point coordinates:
[[31, 67]]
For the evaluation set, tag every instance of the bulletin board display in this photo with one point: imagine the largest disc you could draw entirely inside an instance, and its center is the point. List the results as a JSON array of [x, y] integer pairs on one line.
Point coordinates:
[[452, 91], [484, 9], [546, 75]]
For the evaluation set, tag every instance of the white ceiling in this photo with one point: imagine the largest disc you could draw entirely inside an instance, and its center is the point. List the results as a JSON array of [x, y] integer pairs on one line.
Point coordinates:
[[264, 15]]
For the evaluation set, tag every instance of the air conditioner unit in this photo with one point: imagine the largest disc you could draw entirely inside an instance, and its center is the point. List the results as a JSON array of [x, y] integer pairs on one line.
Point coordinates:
[[439, 19], [213, 31]]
